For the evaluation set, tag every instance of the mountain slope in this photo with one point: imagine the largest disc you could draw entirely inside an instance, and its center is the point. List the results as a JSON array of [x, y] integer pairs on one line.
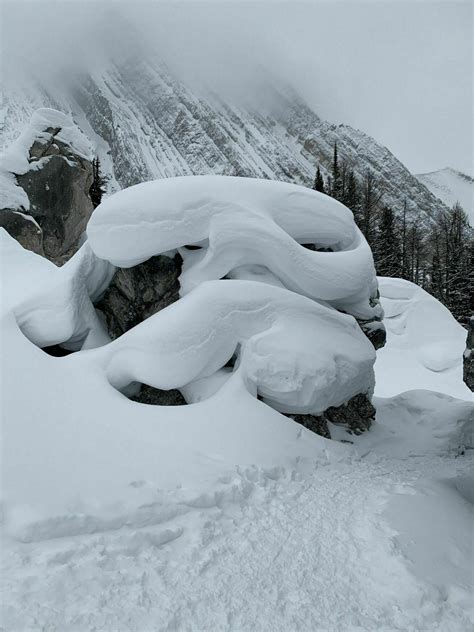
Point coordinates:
[[451, 186], [148, 124]]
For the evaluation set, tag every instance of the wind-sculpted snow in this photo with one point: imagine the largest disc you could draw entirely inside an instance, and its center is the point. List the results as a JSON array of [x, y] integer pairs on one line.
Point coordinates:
[[55, 306], [424, 346], [299, 355], [241, 221]]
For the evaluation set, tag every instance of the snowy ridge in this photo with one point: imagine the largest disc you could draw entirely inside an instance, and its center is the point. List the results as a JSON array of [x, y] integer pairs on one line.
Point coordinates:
[[451, 186], [154, 126]]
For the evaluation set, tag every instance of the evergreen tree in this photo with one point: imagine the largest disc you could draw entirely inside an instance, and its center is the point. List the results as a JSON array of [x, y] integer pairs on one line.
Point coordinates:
[[403, 236], [336, 191], [457, 249], [371, 198], [352, 198], [387, 252], [436, 277], [99, 183], [319, 181], [415, 247]]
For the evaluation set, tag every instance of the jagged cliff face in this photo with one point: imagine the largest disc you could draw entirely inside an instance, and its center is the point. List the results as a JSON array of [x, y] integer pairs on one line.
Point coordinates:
[[147, 124]]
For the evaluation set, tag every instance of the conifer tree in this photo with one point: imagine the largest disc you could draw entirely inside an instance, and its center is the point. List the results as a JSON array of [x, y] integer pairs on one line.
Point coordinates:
[[371, 198], [351, 199], [457, 246], [387, 252], [336, 191], [436, 280], [319, 181], [403, 236], [99, 183]]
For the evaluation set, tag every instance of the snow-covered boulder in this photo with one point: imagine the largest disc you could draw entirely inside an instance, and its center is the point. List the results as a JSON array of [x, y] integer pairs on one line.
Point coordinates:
[[246, 230], [298, 355], [45, 178], [240, 222]]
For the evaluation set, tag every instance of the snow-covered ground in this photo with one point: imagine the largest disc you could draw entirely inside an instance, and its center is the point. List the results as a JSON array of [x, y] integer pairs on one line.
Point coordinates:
[[225, 514]]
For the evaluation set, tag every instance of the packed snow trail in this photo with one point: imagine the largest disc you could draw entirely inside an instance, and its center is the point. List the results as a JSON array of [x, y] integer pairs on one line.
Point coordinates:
[[303, 549]]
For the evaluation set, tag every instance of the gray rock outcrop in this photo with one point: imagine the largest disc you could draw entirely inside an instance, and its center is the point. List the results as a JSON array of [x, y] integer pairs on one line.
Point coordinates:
[[139, 292], [356, 416], [59, 195], [49, 174], [24, 229], [468, 357]]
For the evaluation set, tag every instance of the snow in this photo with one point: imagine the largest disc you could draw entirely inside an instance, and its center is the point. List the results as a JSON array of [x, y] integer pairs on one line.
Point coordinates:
[[53, 305], [245, 221], [16, 159], [451, 186], [300, 356], [225, 514], [425, 344]]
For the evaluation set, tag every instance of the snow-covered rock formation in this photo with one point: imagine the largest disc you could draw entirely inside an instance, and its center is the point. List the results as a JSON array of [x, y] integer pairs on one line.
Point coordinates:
[[294, 348], [45, 178], [239, 223], [120, 514]]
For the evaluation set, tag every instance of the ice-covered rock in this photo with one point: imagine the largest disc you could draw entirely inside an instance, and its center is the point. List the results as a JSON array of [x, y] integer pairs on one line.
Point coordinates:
[[45, 176]]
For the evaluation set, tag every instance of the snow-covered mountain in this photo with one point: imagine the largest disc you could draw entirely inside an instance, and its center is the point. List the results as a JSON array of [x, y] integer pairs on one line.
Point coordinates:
[[149, 124], [451, 186]]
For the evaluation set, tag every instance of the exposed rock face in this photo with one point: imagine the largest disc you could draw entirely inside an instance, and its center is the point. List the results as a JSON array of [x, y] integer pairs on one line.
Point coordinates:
[[357, 416], [158, 397], [23, 229], [468, 357], [57, 186], [45, 180], [139, 292], [375, 332], [315, 423]]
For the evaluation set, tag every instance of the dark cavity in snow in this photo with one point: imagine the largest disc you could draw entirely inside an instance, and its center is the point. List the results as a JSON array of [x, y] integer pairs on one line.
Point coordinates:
[[158, 397]]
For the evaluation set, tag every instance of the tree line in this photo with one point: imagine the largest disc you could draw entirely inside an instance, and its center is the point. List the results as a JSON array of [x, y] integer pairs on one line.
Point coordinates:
[[439, 258]]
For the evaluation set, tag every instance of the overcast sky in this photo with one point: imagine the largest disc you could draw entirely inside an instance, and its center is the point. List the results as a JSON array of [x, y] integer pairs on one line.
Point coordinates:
[[401, 71]]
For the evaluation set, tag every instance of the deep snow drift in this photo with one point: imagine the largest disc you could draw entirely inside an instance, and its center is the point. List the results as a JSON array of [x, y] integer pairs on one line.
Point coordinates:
[[424, 346], [225, 514]]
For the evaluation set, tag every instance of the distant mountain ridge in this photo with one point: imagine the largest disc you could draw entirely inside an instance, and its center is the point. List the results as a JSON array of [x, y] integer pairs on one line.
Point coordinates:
[[147, 124], [451, 186]]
